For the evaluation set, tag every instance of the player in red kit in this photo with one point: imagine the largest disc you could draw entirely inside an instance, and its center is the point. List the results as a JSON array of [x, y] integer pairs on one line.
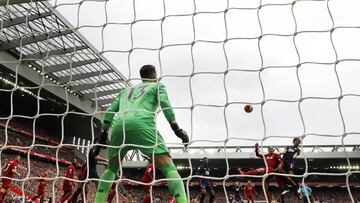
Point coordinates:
[[249, 192], [112, 193], [148, 178], [92, 161], [286, 184], [68, 184], [81, 176], [124, 195], [41, 189], [9, 170], [273, 162]]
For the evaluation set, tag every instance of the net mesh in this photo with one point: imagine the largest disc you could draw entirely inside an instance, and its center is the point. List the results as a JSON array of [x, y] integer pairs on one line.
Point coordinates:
[[276, 48]]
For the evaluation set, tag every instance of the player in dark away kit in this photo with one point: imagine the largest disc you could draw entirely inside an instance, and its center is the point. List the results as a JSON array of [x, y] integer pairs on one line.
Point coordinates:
[[205, 184]]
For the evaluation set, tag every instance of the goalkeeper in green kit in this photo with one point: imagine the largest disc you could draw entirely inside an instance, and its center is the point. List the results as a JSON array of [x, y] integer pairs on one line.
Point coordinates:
[[135, 125]]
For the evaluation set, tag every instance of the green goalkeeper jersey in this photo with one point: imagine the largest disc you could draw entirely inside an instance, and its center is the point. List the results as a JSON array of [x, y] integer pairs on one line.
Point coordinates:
[[136, 107]]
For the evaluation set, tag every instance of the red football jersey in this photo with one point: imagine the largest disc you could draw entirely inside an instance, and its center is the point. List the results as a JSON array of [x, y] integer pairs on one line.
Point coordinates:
[[273, 160], [148, 175], [42, 185], [10, 166], [82, 172], [70, 173], [113, 186], [248, 188]]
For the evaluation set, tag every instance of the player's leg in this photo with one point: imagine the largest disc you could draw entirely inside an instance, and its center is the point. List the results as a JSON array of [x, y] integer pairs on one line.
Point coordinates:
[[312, 198], [6, 183], [40, 197], [289, 168], [66, 196], [281, 183], [115, 156], [202, 194], [267, 183], [163, 161], [2, 194], [111, 196], [34, 198], [283, 193], [252, 172], [251, 198], [147, 196], [247, 197], [212, 195], [282, 198], [77, 193], [108, 175], [168, 169]]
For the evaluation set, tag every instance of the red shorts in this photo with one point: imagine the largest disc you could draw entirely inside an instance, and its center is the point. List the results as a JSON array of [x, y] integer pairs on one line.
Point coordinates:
[[249, 196], [281, 181], [111, 195], [6, 183], [270, 169], [67, 187], [41, 196], [147, 188], [41, 193]]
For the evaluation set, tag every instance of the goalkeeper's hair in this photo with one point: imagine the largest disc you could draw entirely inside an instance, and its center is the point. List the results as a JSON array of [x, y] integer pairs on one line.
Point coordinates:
[[147, 71]]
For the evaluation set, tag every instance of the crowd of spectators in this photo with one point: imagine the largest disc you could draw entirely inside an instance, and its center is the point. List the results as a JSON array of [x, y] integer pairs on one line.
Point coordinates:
[[31, 170], [29, 173], [17, 139]]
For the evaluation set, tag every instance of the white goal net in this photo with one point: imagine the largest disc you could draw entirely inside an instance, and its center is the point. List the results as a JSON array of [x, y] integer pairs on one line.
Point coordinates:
[[295, 62]]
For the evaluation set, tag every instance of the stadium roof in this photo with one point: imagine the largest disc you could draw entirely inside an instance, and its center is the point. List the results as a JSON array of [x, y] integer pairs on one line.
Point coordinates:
[[45, 42], [337, 154]]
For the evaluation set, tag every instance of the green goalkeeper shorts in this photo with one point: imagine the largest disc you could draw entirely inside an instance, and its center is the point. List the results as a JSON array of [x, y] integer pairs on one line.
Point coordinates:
[[148, 141]]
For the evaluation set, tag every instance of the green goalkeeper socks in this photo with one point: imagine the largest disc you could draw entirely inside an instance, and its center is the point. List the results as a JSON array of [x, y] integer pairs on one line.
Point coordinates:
[[104, 187], [176, 186]]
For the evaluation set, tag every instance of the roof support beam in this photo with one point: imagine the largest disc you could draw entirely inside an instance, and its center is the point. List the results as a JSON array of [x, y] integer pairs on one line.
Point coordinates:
[[55, 52], [20, 20], [83, 76], [23, 70], [64, 66], [104, 101], [33, 39], [101, 93], [10, 2], [78, 88]]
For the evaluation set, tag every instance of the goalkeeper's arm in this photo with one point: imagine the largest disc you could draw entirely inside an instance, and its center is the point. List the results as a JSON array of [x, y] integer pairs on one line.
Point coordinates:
[[108, 118], [110, 113], [170, 115]]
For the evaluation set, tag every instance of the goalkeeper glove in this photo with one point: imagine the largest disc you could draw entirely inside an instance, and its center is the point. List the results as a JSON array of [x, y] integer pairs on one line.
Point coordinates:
[[180, 133]]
